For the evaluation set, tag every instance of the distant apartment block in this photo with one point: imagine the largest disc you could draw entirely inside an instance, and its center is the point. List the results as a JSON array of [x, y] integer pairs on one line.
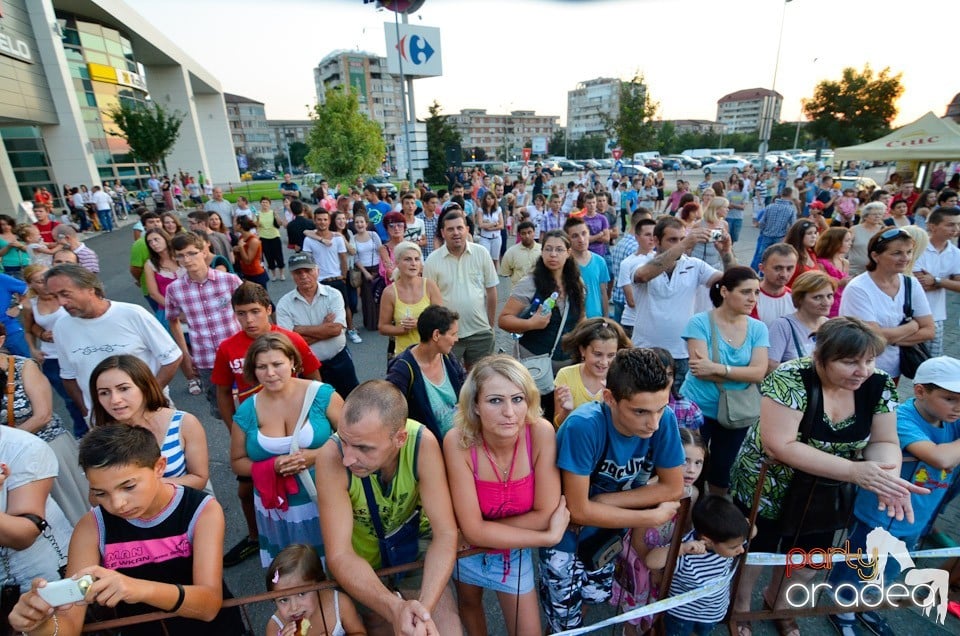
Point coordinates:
[[378, 91], [248, 128], [695, 126], [501, 136], [591, 105], [288, 131], [743, 111]]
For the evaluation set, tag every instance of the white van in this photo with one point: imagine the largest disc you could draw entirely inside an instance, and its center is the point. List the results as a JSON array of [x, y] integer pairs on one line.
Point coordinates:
[[643, 157]]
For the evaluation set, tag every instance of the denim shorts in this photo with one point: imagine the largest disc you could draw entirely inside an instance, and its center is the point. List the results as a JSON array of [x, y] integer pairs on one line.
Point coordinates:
[[492, 571]]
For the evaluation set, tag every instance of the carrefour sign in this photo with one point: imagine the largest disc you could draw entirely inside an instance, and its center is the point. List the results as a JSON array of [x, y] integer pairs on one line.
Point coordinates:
[[417, 49]]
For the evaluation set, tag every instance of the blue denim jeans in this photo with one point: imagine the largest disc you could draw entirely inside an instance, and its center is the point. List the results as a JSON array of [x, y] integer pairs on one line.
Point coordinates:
[[106, 219], [674, 626], [51, 370]]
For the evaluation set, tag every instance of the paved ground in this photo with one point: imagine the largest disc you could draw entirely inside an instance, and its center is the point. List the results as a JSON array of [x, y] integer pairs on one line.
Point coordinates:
[[370, 361]]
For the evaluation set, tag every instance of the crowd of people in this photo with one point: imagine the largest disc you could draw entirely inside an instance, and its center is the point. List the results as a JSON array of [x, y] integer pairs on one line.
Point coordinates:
[[648, 366]]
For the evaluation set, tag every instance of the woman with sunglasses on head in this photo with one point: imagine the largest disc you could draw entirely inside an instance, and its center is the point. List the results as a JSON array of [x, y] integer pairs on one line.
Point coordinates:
[[877, 297], [803, 235]]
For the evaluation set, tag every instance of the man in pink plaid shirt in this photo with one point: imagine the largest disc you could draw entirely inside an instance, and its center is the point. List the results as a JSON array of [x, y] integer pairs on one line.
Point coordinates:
[[203, 297]]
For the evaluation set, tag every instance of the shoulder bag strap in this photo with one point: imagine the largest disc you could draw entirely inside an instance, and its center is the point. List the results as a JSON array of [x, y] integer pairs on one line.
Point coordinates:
[[563, 321], [11, 386], [304, 475], [796, 339], [715, 348], [907, 296], [374, 517]]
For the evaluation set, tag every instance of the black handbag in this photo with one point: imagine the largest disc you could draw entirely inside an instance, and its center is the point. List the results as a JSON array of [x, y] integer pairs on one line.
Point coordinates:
[[911, 356], [812, 503]]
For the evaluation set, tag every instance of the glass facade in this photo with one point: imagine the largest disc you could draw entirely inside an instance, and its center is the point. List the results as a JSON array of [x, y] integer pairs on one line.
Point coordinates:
[[105, 74], [28, 156]]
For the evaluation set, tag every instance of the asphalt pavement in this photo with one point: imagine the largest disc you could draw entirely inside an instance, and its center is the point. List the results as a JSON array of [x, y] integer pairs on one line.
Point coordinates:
[[370, 361]]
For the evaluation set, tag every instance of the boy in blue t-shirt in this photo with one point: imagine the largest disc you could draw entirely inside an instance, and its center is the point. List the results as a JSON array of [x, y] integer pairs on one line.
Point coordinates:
[[706, 555], [606, 451], [928, 425]]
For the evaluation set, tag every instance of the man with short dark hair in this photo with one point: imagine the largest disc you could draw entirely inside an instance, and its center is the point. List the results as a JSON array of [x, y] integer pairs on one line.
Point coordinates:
[[777, 265], [317, 313], [45, 225], [430, 203], [938, 268], [605, 452], [777, 219], [468, 281], [288, 188], [104, 206], [376, 209], [593, 269], [220, 242], [643, 243], [519, 259], [298, 226]]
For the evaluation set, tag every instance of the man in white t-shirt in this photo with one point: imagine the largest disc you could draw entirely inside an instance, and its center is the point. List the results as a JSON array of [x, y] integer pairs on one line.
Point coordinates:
[[104, 205], [777, 265], [98, 328], [414, 232], [646, 244], [938, 268], [666, 289]]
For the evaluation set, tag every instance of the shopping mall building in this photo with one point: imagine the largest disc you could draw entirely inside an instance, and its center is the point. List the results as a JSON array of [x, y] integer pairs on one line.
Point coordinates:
[[63, 65]]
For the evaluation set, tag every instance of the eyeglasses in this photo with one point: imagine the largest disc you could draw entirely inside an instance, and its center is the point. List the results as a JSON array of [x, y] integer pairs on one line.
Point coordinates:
[[554, 250], [398, 224]]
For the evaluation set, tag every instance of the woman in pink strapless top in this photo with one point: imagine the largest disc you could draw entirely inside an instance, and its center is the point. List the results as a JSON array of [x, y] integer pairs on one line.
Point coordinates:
[[501, 463]]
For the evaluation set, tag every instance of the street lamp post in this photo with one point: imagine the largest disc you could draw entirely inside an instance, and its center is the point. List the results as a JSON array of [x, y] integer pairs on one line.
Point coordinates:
[[766, 123]]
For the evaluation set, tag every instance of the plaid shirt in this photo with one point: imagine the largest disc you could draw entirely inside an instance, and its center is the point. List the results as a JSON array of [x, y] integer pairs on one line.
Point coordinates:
[[688, 413], [552, 221], [208, 311], [623, 248], [430, 230]]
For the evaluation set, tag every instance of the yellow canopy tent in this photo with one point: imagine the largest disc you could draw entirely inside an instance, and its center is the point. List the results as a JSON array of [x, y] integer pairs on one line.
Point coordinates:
[[929, 138]]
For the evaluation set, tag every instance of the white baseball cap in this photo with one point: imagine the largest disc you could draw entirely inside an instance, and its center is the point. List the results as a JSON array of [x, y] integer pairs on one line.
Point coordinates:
[[943, 371]]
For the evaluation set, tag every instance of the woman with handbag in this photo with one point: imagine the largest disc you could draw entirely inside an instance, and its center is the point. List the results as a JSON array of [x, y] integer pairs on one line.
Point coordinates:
[[819, 415], [406, 297], [528, 313], [728, 358], [890, 301], [501, 465], [793, 336], [275, 440]]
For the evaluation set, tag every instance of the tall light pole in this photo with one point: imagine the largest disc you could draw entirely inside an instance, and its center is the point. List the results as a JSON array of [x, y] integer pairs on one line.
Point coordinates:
[[766, 123]]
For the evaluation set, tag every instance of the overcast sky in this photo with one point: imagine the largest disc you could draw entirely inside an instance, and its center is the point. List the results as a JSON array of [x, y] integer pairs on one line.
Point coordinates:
[[526, 54]]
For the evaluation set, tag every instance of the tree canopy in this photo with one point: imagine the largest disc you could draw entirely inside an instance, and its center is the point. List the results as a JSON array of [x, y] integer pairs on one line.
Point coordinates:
[[150, 131], [440, 136], [344, 143], [633, 127], [857, 108]]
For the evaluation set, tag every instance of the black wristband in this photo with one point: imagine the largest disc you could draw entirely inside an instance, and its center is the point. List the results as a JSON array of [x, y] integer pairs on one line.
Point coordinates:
[[180, 598]]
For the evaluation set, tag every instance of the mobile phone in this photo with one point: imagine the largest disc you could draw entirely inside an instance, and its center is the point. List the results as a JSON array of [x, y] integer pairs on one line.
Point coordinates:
[[66, 591], [716, 235]]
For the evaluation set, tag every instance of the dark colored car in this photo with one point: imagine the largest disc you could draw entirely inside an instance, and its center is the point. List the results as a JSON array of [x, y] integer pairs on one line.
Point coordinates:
[[654, 163], [264, 175], [671, 164]]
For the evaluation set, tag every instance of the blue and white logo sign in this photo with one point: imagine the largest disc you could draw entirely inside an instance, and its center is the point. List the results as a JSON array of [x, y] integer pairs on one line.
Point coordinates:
[[417, 49]]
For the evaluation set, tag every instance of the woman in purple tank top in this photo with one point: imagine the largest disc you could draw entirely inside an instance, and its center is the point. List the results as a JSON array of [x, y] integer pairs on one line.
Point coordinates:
[[501, 463]]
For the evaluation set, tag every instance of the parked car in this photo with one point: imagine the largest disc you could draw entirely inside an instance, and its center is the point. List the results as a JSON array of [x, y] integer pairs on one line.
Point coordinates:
[[382, 183], [552, 166], [685, 161], [654, 163], [566, 164], [726, 165], [264, 175], [591, 164], [707, 159], [633, 170], [669, 163], [605, 164]]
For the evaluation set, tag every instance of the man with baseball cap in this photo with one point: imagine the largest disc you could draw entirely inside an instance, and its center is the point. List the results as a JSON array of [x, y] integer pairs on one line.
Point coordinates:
[[317, 312]]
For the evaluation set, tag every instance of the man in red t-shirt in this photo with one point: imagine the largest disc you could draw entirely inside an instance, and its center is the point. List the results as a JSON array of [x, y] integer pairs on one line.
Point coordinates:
[[45, 224], [251, 306], [907, 193]]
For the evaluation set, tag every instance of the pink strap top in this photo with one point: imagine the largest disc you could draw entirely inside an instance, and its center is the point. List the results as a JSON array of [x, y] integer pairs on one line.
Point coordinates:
[[499, 499]]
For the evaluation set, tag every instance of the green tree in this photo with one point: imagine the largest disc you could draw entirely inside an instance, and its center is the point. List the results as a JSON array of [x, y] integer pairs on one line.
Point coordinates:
[[667, 138], [298, 153], [857, 108], [589, 147], [633, 127], [440, 136], [557, 142], [344, 143], [150, 131]]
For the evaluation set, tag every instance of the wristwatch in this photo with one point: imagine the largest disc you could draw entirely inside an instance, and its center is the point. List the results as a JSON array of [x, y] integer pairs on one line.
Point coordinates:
[[936, 281]]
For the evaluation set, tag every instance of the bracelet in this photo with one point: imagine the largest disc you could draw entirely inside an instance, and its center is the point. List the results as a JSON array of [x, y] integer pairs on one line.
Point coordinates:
[[726, 368], [179, 602], [56, 627]]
